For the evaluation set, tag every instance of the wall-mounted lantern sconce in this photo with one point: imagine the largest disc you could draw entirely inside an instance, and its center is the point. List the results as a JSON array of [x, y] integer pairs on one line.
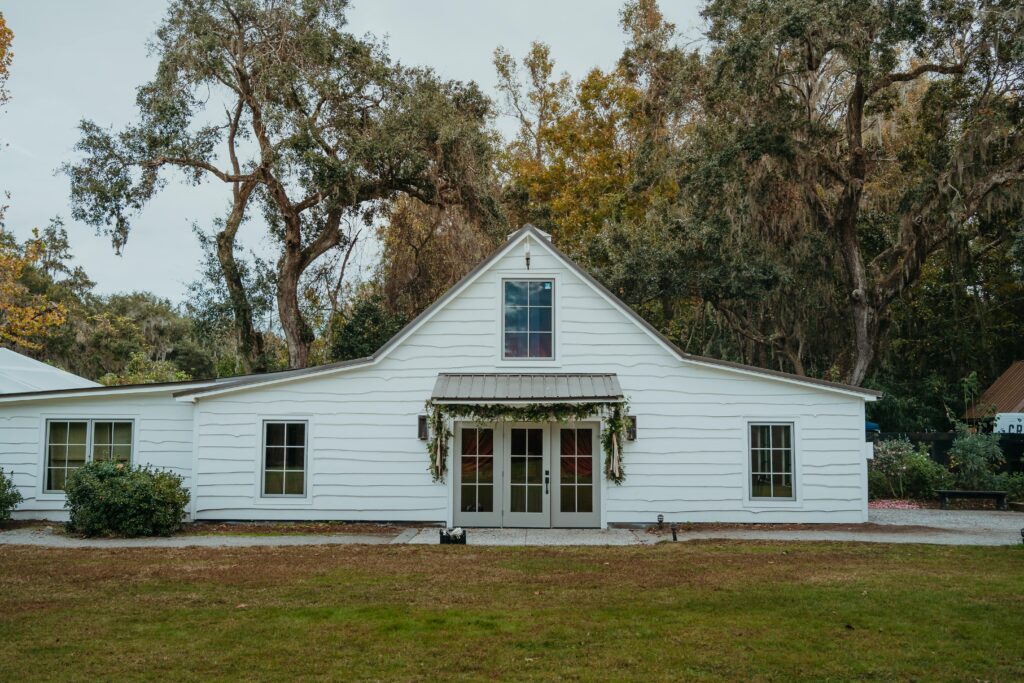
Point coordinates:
[[421, 427], [527, 254], [631, 428]]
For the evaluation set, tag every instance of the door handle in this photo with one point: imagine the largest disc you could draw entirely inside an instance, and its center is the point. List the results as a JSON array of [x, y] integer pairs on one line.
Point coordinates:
[[547, 482]]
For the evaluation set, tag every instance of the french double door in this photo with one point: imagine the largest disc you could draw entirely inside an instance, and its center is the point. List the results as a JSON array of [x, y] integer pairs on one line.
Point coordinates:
[[515, 474]]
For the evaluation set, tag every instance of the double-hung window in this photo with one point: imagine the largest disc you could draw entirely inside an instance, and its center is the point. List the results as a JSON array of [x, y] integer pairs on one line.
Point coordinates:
[[72, 443], [771, 461], [284, 458], [529, 320]]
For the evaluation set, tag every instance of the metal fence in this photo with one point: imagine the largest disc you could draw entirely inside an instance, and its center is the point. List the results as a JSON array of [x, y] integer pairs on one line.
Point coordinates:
[[939, 444]]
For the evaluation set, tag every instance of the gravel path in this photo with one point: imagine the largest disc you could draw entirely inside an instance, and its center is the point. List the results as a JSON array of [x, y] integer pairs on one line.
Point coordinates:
[[943, 527]]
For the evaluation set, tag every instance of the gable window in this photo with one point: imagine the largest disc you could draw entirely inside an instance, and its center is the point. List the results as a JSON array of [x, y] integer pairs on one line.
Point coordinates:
[[771, 461], [284, 458], [72, 443], [529, 318]]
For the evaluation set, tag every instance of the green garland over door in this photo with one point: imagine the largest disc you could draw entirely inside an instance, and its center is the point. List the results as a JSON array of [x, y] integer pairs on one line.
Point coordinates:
[[611, 414]]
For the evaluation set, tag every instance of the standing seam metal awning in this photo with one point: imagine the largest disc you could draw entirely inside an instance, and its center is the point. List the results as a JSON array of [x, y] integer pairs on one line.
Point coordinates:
[[536, 388]]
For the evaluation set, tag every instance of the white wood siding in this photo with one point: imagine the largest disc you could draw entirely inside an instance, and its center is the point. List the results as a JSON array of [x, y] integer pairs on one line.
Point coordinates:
[[162, 438], [689, 463]]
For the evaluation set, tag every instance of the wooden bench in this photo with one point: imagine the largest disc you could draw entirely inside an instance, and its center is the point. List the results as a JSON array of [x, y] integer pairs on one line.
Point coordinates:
[[998, 496]]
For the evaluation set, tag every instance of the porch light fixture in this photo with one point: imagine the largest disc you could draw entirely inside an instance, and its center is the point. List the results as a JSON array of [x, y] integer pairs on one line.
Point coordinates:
[[631, 428], [421, 425], [527, 255]]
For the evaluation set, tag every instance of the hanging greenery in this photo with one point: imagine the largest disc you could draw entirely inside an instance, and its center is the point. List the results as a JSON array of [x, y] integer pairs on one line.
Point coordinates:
[[613, 434]]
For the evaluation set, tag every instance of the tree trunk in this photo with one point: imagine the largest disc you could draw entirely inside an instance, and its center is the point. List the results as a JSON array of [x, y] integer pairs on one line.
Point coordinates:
[[250, 340], [290, 267], [865, 328]]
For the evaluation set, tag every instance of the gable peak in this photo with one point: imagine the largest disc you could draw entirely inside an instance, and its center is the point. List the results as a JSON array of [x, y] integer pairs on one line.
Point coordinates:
[[529, 227]]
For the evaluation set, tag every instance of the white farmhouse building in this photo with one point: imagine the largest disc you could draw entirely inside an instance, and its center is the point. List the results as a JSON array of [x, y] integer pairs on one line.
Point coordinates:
[[525, 331]]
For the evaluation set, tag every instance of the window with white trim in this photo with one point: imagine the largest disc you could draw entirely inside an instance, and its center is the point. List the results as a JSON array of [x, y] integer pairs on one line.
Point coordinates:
[[284, 458], [771, 461], [528, 329], [72, 443]]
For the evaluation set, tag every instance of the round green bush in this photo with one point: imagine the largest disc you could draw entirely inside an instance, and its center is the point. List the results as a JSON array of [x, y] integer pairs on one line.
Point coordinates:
[[902, 470], [110, 499], [10, 496]]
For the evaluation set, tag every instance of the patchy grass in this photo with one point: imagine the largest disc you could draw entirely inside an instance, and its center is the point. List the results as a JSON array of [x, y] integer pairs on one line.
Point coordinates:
[[704, 611]]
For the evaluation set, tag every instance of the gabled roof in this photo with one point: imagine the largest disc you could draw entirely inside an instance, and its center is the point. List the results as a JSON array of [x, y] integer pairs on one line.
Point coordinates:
[[1006, 395], [20, 373], [514, 239]]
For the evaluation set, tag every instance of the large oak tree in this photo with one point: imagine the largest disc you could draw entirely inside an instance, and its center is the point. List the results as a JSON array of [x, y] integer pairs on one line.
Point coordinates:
[[315, 125]]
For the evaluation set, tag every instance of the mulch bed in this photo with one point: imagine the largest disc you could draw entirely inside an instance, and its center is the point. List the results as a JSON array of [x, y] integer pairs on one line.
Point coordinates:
[[289, 528]]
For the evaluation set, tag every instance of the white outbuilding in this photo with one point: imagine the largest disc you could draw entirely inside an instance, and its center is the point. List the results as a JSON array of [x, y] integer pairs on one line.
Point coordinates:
[[527, 396]]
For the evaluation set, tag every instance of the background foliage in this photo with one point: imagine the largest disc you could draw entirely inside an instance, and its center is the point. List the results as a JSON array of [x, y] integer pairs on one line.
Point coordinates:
[[826, 188]]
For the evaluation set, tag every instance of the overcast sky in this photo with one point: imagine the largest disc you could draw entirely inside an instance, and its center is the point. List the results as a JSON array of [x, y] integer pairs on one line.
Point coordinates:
[[75, 60]]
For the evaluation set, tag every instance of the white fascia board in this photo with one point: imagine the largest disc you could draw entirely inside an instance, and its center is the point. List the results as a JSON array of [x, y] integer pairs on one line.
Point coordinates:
[[59, 394]]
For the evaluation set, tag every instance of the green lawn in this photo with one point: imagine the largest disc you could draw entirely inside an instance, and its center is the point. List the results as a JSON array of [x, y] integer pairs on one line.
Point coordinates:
[[705, 611]]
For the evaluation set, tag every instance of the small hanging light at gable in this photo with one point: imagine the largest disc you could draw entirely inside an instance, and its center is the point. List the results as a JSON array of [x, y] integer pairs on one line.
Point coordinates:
[[527, 254]]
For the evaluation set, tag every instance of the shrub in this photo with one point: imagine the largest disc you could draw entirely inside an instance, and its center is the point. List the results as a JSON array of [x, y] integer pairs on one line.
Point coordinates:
[[878, 484], [10, 496], [975, 458], [110, 499], [901, 470], [1013, 484]]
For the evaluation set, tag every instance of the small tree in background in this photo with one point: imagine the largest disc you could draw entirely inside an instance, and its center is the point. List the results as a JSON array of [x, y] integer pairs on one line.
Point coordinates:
[[975, 458]]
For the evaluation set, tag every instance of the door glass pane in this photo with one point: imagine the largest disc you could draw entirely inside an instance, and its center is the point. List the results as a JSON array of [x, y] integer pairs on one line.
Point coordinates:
[[468, 500], [568, 499], [567, 471], [535, 445], [533, 500], [485, 441], [517, 475], [585, 470], [485, 469], [517, 499], [485, 498], [518, 446], [584, 499], [567, 442], [468, 469], [584, 441], [534, 471], [468, 441]]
